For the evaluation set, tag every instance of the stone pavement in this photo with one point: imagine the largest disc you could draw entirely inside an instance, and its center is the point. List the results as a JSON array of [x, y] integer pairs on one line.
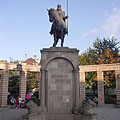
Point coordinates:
[[108, 112], [12, 113]]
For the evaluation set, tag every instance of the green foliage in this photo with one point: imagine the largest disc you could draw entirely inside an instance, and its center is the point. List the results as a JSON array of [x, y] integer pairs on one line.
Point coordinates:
[[13, 86], [14, 61], [85, 59], [104, 51], [14, 78], [109, 79], [91, 79], [3, 60], [32, 81]]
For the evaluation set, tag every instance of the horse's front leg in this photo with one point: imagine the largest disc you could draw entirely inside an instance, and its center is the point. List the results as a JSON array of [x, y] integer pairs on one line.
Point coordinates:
[[62, 40], [55, 40]]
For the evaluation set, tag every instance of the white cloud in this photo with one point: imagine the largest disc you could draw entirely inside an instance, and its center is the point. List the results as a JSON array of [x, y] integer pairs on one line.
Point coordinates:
[[115, 9], [93, 31], [110, 26]]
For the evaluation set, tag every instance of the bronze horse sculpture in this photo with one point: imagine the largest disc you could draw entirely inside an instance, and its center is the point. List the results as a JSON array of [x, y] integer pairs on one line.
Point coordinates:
[[58, 27]]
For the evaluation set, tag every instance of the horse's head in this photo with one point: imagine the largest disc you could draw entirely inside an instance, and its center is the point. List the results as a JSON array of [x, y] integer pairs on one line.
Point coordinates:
[[51, 13]]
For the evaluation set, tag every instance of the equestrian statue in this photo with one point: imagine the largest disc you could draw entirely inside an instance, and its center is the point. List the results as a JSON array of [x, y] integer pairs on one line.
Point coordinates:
[[59, 28]]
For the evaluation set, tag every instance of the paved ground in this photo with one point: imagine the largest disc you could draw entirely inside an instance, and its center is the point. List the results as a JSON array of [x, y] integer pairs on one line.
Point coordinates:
[[12, 113], [108, 112]]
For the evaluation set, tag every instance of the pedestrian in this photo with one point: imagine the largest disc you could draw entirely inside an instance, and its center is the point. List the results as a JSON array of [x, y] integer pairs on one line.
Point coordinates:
[[16, 103], [20, 102], [27, 97], [13, 101]]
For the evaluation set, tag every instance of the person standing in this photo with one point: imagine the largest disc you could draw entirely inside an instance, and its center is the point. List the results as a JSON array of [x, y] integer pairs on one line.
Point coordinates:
[[20, 102], [13, 100], [27, 97]]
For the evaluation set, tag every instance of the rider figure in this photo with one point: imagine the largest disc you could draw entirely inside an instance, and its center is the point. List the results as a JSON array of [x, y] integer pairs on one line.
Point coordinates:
[[62, 15]]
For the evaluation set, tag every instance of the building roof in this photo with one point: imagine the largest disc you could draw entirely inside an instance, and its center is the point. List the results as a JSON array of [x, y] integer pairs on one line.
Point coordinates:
[[31, 61]]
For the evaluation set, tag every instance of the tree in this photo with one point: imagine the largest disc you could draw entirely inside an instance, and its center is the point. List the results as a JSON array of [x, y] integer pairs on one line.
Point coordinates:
[[85, 59], [91, 77], [13, 86], [32, 81], [3, 60], [91, 81], [14, 61], [104, 51]]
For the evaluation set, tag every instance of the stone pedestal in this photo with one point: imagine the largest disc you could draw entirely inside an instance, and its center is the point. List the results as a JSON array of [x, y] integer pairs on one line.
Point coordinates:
[[59, 87], [59, 80]]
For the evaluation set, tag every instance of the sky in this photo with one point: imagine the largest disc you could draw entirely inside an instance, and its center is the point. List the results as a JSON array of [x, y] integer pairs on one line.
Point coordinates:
[[25, 26]]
